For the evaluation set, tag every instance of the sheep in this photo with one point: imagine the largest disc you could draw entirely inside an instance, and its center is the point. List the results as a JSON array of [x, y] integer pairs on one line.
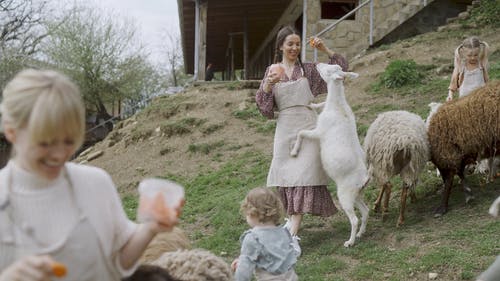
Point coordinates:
[[165, 242], [341, 154], [486, 166], [396, 144], [461, 131], [196, 264], [147, 272]]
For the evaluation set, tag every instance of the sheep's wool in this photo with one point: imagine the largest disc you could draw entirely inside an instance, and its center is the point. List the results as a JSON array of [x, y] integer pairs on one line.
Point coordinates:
[[193, 265], [465, 127], [396, 143]]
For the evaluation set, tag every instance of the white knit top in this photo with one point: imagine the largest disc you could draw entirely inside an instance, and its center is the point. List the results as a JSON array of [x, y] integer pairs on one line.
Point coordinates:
[[37, 203]]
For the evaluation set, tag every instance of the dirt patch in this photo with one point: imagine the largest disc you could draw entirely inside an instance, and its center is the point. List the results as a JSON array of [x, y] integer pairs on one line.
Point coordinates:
[[145, 146], [158, 142]]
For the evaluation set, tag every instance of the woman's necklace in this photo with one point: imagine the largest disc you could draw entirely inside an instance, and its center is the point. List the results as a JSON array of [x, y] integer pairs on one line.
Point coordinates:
[[289, 67]]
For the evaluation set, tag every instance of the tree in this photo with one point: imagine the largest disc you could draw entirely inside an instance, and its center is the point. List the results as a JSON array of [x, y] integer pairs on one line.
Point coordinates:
[[172, 52], [101, 55], [21, 32], [21, 25]]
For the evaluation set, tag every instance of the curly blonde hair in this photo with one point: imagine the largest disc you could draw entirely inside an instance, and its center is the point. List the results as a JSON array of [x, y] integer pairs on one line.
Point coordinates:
[[264, 205]]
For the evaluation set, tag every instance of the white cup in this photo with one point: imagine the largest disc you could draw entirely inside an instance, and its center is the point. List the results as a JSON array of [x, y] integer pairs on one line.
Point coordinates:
[[153, 189]]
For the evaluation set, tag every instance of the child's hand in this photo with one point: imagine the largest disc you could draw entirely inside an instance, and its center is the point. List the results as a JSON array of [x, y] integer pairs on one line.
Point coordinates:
[[30, 268], [234, 264]]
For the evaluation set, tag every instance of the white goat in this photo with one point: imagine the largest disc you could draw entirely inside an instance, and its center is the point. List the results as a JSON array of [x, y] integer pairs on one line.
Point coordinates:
[[341, 154]]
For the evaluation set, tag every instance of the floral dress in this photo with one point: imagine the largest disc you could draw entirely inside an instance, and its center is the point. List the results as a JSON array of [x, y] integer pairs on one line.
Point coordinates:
[[301, 185]]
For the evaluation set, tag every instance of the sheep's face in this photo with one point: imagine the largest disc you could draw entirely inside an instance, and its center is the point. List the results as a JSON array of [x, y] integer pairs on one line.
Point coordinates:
[[333, 72]]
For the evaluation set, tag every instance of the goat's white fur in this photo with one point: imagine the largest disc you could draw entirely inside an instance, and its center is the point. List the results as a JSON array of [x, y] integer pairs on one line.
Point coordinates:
[[495, 207], [341, 153]]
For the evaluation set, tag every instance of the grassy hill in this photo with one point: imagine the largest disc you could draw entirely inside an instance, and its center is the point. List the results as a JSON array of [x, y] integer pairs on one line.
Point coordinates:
[[212, 139]]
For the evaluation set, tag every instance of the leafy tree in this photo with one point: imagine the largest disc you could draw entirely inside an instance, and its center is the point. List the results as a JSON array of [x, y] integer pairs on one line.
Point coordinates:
[[21, 32], [101, 55]]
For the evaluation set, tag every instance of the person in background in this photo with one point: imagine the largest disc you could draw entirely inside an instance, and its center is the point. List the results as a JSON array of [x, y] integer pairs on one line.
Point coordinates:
[[267, 250], [209, 72], [470, 67], [301, 181], [52, 210]]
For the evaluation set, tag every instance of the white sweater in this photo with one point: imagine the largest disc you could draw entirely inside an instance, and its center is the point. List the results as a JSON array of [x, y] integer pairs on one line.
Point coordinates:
[[94, 192]]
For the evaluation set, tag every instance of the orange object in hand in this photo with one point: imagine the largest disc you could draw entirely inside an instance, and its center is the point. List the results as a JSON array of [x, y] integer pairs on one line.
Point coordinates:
[[311, 42], [59, 269]]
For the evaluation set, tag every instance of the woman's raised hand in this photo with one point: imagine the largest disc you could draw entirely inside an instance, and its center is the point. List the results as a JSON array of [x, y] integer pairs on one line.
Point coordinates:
[[317, 43]]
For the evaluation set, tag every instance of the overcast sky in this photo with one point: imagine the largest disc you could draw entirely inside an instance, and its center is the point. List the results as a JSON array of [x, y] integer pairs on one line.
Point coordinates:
[[151, 17]]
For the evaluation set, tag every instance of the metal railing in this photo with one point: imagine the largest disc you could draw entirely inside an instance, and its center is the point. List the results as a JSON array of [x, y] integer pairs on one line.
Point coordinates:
[[333, 25]]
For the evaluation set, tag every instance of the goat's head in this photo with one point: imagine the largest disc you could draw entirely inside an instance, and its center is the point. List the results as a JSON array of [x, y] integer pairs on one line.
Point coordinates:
[[333, 72]]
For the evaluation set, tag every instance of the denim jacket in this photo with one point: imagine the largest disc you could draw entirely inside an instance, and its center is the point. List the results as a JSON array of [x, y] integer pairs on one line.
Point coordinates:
[[267, 248]]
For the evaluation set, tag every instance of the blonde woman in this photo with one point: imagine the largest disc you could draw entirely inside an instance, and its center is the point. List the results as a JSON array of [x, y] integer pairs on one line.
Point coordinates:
[[53, 210]]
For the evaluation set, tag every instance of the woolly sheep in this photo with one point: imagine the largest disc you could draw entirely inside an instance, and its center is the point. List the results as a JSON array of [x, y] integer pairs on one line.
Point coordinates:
[[461, 131], [193, 265], [165, 242], [341, 154], [486, 166], [150, 273], [396, 144]]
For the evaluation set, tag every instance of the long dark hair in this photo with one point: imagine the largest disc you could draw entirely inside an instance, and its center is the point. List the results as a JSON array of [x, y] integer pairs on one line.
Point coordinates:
[[280, 39]]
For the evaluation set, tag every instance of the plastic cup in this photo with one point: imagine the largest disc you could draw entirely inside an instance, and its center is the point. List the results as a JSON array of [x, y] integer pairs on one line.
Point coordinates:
[[160, 200]]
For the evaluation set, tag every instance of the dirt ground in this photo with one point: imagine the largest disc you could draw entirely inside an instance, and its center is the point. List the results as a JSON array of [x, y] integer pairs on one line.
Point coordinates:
[[129, 158]]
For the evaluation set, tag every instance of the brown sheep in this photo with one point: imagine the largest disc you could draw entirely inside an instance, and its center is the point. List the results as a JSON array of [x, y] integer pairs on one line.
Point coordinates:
[[165, 242], [460, 131]]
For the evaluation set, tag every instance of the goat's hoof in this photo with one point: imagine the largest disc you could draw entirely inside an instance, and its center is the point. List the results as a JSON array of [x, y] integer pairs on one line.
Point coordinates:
[[359, 234], [348, 243], [293, 154], [468, 199]]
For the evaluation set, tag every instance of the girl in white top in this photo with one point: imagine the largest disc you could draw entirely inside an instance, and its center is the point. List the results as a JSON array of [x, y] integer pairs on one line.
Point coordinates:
[[470, 67], [52, 210]]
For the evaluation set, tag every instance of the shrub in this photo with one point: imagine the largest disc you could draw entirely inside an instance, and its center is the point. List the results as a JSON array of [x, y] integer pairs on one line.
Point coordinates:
[[487, 13], [401, 73]]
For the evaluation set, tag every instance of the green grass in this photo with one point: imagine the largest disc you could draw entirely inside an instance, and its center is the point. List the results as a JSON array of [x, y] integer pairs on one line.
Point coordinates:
[[457, 246], [255, 120]]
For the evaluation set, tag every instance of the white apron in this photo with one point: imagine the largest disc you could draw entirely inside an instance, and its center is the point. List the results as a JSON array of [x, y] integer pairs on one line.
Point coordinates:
[[472, 80], [80, 251], [293, 99]]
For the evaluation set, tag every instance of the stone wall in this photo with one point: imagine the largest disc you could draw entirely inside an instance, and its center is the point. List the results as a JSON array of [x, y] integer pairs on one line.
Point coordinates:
[[352, 36]]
